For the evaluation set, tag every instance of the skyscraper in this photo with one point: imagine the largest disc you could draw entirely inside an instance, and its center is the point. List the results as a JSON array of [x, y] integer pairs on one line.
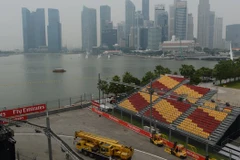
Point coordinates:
[[129, 19], [161, 20], [154, 38], [145, 9], [181, 20], [190, 27], [171, 20], [203, 23], [143, 38], [120, 34], [218, 29], [34, 34], [139, 22], [89, 28], [26, 28], [40, 32], [105, 18], [233, 35], [211, 29], [54, 31]]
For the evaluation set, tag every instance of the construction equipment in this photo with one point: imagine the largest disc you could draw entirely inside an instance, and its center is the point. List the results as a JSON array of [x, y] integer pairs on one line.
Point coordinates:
[[158, 139], [94, 146], [178, 150]]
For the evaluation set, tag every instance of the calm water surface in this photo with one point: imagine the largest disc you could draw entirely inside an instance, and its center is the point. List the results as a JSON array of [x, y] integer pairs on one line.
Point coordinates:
[[29, 78]]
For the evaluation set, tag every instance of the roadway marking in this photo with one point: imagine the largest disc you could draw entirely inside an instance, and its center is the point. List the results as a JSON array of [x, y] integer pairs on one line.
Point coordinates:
[[66, 136], [152, 155]]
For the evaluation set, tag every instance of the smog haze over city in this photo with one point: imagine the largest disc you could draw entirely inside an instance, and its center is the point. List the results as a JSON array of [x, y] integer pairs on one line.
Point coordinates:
[[70, 15]]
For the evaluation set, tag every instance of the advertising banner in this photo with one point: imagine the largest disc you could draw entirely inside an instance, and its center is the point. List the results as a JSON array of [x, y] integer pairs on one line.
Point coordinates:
[[23, 110]]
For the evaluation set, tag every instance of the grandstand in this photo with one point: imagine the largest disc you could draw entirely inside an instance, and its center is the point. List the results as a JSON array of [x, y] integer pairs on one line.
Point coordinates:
[[186, 108]]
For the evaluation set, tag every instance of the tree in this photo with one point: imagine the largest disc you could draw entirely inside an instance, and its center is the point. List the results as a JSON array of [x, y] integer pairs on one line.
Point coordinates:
[[148, 76], [205, 73], [161, 70], [104, 87], [207, 50], [129, 78], [199, 49], [223, 70], [175, 73], [116, 88], [195, 79], [187, 70]]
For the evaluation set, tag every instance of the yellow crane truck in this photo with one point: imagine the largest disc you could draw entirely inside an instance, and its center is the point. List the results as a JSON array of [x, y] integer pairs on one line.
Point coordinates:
[[99, 147]]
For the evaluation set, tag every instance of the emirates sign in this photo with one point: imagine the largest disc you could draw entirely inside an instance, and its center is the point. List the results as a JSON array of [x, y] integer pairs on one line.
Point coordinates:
[[23, 110]]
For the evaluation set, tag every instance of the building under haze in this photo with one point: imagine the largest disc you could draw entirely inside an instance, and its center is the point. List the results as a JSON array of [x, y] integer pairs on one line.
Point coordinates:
[[233, 35], [105, 18], [129, 19], [181, 17], [171, 19], [120, 34], [54, 31], [154, 38], [143, 34], [218, 30], [203, 23], [89, 28], [109, 37], [211, 29], [145, 9], [190, 29], [34, 34], [161, 20]]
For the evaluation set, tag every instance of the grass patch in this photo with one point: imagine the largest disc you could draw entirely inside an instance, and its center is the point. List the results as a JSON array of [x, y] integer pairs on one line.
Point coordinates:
[[200, 149], [235, 85]]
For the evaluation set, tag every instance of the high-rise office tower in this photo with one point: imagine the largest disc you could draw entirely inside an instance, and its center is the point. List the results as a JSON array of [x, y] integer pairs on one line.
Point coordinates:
[[181, 17], [139, 22], [211, 29], [34, 34], [54, 31], [233, 35], [190, 27], [40, 32], [143, 38], [154, 38], [218, 29], [203, 23], [171, 20], [89, 28], [105, 18], [145, 9], [129, 19], [120, 34], [161, 20]]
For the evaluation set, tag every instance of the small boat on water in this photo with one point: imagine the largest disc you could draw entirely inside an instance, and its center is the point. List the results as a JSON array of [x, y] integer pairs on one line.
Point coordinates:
[[59, 70]]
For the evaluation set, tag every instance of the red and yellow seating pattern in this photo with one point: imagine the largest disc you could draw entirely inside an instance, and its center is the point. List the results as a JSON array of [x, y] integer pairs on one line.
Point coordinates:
[[210, 104], [165, 83], [137, 101], [168, 110], [202, 122], [193, 92]]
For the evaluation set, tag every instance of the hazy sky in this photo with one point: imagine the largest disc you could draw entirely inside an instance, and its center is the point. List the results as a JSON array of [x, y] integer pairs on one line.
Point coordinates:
[[70, 13]]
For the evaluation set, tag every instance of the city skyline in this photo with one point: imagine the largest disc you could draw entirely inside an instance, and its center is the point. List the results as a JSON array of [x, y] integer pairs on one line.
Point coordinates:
[[12, 36]]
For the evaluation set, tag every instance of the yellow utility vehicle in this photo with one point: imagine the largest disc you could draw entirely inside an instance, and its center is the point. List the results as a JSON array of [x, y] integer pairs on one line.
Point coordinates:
[[99, 147], [158, 139], [178, 150]]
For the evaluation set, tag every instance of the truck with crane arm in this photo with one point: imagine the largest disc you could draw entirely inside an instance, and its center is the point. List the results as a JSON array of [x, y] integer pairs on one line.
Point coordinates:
[[92, 145]]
